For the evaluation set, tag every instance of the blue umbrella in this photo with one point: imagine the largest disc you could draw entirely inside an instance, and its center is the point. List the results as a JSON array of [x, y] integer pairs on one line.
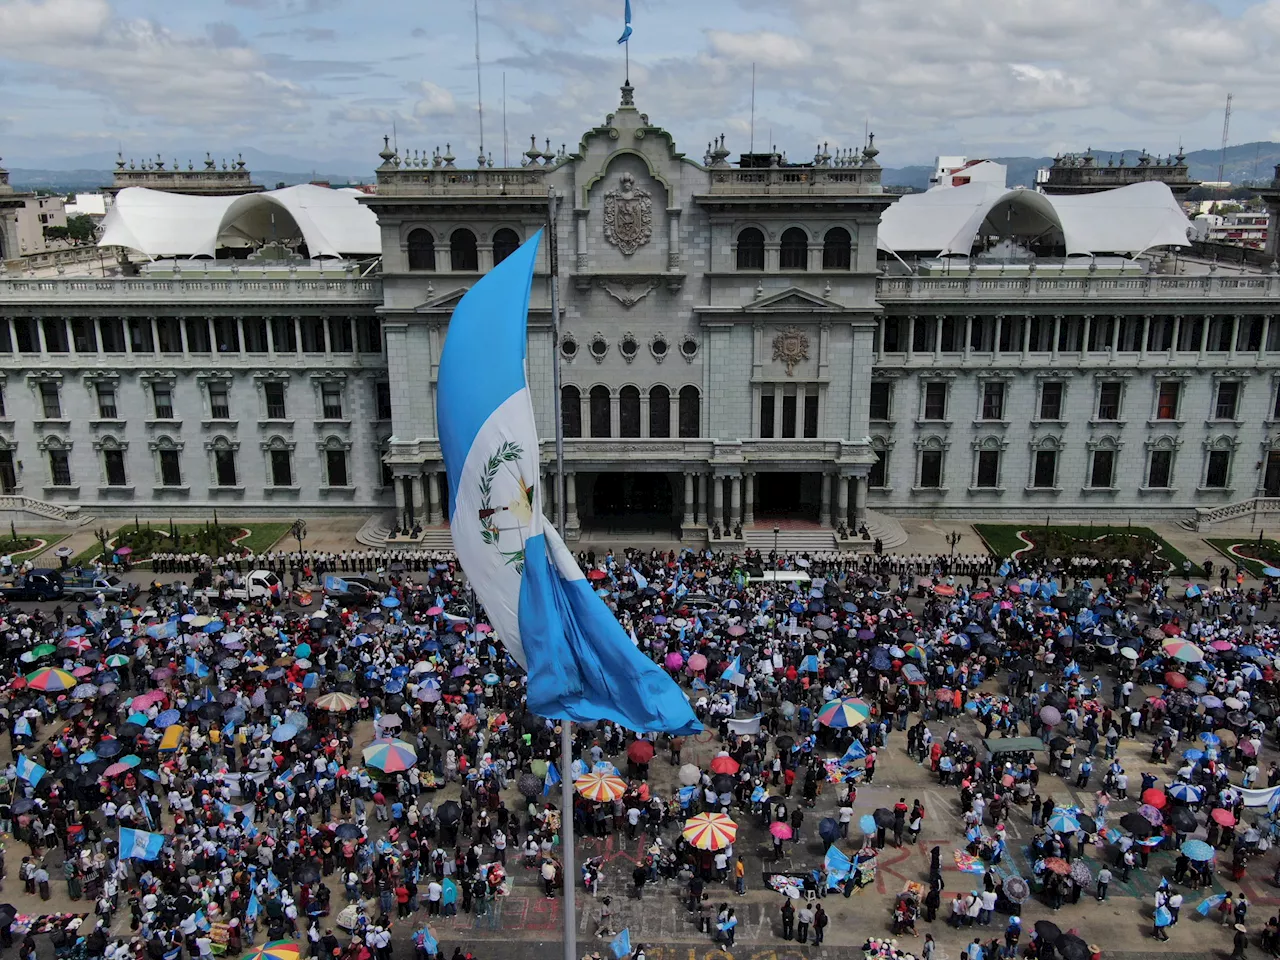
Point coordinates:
[[1270, 572], [87, 757], [234, 715], [867, 824], [214, 627], [167, 719], [150, 774], [302, 650], [139, 718], [880, 659], [1251, 671], [1062, 822], [76, 631], [796, 607], [1249, 650], [1209, 739], [491, 679], [393, 686], [286, 731], [108, 749], [400, 672], [974, 628], [1186, 792], [1193, 755], [1197, 850], [391, 602]]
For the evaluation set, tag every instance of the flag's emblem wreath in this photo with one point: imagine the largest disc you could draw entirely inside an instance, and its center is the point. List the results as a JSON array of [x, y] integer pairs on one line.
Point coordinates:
[[521, 508]]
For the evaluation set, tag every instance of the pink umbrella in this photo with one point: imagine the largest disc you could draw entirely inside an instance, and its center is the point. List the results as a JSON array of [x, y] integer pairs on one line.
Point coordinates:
[[737, 630], [82, 671], [697, 662], [674, 661], [434, 611], [1222, 645], [116, 769], [483, 628], [1248, 749], [780, 830]]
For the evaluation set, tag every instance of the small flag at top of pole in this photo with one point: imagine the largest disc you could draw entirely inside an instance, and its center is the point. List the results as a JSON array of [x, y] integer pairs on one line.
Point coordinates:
[[626, 30]]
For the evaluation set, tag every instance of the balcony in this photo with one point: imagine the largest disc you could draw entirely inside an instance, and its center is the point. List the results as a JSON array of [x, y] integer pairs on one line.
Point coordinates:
[[192, 289], [446, 182], [795, 182], [1151, 287]]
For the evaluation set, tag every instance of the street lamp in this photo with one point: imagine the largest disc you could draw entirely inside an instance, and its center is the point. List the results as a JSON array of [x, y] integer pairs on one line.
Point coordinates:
[[953, 538], [777, 560], [299, 533]]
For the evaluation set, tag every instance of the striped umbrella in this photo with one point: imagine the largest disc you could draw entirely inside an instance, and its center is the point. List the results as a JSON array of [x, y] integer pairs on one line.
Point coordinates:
[[600, 787], [1186, 792], [390, 756], [50, 678], [710, 831], [845, 712], [1183, 650], [337, 702], [117, 660], [78, 644], [276, 950], [1060, 821]]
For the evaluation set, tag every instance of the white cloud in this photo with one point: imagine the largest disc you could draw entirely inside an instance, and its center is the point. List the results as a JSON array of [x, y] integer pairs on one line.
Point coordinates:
[[764, 47], [434, 101]]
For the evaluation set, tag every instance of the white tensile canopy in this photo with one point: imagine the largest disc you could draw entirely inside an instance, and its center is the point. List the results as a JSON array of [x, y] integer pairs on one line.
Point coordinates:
[[155, 223], [1127, 220]]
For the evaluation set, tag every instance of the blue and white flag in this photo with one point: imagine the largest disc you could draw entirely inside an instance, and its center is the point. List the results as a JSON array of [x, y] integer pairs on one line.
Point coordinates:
[[552, 779], [29, 770], [639, 578], [140, 844], [626, 30], [856, 751], [621, 945], [253, 907], [733, 673], [580, 663]]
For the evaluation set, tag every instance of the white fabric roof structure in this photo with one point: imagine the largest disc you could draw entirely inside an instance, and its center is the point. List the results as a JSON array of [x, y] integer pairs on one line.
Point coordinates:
[[159, 224], [1127, 220]]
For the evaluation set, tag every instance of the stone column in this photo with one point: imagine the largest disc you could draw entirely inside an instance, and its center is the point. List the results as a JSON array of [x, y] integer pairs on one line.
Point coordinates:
[[400, 502], [778, 432], [407, 484], [800, 394], [421, 503], [1086, 333], [549, 496], [1235, 333], [1204, 336], [842, 500], [824, 505], [1266, 333], [911, 337], [704, 496], [749, 502], [1026, 337], [571, 499], [937, 338], [968, 337], [717, 500], [860, 500], [1057, 332], [999, 332], [735, 501], [687, 521], [435, 514], [644, 415]]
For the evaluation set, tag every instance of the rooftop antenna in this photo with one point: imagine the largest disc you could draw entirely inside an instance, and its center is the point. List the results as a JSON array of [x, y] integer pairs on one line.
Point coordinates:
[[479, 95], [752, 147], [1226, 128], [395, 139], [504, 119]]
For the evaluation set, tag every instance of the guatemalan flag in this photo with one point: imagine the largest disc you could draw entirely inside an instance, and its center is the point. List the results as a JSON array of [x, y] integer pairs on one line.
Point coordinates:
[[581, 664], [140, 844], [29, 770]]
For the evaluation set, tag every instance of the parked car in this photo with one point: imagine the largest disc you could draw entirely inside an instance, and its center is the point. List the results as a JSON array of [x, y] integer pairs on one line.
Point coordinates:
[[81, 589]]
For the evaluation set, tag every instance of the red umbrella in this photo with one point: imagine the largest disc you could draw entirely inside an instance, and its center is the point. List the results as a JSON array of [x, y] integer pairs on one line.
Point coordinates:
[[596, 574], [724, 764], [641, 751], [1224, 817], [945, 590], [1176, 680], [1155, 797], [1171, 629]]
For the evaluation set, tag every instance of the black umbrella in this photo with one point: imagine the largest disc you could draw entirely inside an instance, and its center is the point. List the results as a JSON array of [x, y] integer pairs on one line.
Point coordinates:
[[722, 783], [1072, 947], [883, 818], [129, 730], [306, 739], [307, 873], [529, 785], [108, 748], [347, 831], [227, 697], [1136, 824], [7, 912], [1058, 743], [828, 830], [277, 694], [784, 742], [1182, 818], [22, 805], [1087, 823], [449, 812], [71, 709], [1048, 930], [211, 711]]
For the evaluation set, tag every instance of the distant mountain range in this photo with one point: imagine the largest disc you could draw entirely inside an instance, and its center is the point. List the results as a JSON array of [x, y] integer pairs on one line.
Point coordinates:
[[1244, 162]]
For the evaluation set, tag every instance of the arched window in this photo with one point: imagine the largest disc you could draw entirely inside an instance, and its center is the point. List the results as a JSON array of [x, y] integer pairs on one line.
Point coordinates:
[[600, 413], [571, 411], [659, 412], [505, 242], [751, 249], [837, 249], [794, 254], [629, 412], [690, 412], [462, 250], [422, 250]]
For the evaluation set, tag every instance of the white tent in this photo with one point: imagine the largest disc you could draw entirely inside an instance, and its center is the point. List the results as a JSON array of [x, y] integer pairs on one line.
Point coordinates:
[[332, 223], [1127, 220]]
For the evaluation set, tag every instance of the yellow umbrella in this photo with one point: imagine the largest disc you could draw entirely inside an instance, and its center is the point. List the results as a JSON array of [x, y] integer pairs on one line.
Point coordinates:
[[710, 831], [601, 787]]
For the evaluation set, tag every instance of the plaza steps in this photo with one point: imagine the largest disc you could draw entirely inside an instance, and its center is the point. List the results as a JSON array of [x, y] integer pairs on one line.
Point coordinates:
[[377, 530], [800, 536], [20, 508]]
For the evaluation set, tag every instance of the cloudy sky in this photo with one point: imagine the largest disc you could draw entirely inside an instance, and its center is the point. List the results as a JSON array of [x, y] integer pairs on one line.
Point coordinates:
[[322, 80]]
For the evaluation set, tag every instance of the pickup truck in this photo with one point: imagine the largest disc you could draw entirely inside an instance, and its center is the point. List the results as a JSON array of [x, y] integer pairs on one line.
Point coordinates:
[[81, 589], [40, 584], [257, 586]]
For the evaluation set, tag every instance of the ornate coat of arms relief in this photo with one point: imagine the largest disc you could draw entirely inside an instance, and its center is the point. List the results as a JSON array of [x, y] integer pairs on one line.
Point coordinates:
[[791, 346], [628, 215]]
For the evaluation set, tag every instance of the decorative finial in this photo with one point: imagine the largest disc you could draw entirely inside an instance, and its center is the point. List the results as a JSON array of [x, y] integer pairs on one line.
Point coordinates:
[[628, 94]]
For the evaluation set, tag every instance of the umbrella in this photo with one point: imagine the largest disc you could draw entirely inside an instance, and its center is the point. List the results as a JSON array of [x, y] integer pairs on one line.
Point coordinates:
[[1182, 819], [828, 830], [689, 775], [1048, 930], [1176, 680], [128, 730], [349, 831], [1072, 947], [1209, 739], [1223, 816], [1016, 889], [1183, 650], [337, 702], [883, 817], [1050, 716], [284, 733], [390, 756], [697, 662], [7, 910], [449, 812], [1080, 872], [724, 764], [1227, 738], [1151, 814], [108, 749], [674, 660], [600, 787], [846, 712], [167, 719], [51, 679], [1060, 821], [710, 831], [529, 785], [276, 950], [640, 751], [1155, 798], [722, 783], [780, 830], [1057, 865], [1136, 824], [85, 691], [1198, 850]]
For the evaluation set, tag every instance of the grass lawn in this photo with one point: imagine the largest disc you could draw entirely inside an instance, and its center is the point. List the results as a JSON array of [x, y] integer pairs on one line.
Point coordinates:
[[33, 546], [147, 539], [1103, 542], [1254, 555]]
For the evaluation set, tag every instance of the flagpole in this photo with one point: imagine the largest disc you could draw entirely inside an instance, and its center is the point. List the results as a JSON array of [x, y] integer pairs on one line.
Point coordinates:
[[566, 727]]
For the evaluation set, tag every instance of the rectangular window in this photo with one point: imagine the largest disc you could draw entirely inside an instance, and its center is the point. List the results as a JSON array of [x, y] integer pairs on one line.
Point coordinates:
[[893, 334], [993, 400], [313, 335], [331, 401], [255, 335], [170, 469], [811, 415], [988, 469], [1045, 475], [4, 412], [84, 337], [878, 477], [163, 398], [106, 401], [219, 401], [881, 400], [140, 340], [382, 400], [1224, 408], [281, 468], [55, 335], [1275, 409], [8, 475], [340, 335], [224, 467], [1218, 471], [1051, 400], [789, 415], [935, 401], [198, 335], [1160, 469], [1167, 400], [113, 467], [284, 336], [336, 463], [50, 402], [169, 334], [112, 331], [766, 415], [368, 335], [226, 334], [1103, 472], [28, 336], [1109, 400], [931, 469], [6, 343], [59, 468], [274, 394]]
